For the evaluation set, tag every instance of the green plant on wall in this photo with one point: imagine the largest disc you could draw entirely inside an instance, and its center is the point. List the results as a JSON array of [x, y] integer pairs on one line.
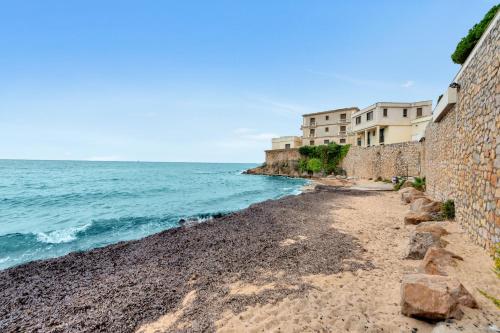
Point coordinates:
[[448, 210], [329, 156], [465, 46], [419, 183], [314, 165]]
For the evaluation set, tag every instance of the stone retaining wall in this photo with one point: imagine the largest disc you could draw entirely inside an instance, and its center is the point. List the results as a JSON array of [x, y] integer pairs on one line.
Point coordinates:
[[463, 150], [276, 156], [398, 159]]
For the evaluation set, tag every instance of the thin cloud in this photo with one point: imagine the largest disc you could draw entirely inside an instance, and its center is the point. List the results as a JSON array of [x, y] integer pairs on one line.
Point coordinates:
[[408, 84], [279, 106]]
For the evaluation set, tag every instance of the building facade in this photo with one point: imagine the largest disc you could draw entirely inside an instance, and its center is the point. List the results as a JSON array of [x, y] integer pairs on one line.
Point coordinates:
[[326, 127], [387, 123], [286, 142]]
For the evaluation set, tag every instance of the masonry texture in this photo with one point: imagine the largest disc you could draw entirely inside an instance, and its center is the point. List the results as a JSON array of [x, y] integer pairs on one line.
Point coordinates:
[[460, 156], [398, 159], [462, 151]]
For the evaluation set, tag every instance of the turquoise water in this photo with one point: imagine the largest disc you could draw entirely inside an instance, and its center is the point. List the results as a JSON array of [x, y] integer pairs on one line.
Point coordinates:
[[51, 208]]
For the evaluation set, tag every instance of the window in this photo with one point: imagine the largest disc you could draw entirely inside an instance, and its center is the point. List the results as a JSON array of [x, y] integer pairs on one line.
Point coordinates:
[[342, 140], [311, 142], [287, 146], [342, 128], [385, 112], [311, 132], [359, 142], [343, 117], [358, 120], [405, 113], [326, 142], [327, 117], [326, 129], [381, 137], [369, 116], [419, 112], [312, 121]]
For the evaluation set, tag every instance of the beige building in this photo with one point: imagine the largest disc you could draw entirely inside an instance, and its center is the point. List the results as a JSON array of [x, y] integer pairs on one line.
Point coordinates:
[[286, 142], [327, 127], [386, 123]]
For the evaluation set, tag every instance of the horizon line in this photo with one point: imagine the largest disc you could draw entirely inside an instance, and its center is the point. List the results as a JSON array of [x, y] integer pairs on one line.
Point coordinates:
[[117, 161]]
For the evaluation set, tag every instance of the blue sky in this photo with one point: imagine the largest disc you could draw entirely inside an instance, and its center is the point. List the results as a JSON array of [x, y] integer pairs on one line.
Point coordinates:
[[208, 80]]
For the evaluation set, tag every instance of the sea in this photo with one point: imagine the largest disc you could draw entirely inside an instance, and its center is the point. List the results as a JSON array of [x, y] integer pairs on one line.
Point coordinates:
[[51, 208]]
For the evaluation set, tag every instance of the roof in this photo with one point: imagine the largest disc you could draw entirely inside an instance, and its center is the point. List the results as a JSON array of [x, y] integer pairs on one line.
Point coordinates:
[[408, 104], [352, 108]]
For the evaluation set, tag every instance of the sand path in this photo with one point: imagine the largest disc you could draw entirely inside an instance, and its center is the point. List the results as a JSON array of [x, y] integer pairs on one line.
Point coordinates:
[[368, 300]]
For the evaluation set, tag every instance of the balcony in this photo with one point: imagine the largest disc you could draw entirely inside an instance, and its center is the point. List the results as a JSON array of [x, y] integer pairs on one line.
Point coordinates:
[[447, 101], [310, 125], [342, 133]]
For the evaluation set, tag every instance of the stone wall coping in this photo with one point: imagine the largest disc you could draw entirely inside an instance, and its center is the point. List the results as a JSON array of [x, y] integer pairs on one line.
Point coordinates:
[[280, 150]]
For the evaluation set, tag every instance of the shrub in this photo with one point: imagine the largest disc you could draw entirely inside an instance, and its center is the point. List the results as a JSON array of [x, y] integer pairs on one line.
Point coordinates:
[[302, 165], [448, 210], [329, 155], [400, 183], [465, 46], [419, 183], [314, 165]]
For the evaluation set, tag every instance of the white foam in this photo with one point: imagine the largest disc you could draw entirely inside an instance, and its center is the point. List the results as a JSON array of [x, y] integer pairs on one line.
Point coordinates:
[[2, 260], [60, 236]]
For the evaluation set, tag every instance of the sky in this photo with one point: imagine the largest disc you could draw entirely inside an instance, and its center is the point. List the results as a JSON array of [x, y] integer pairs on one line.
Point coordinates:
[[209, 81]]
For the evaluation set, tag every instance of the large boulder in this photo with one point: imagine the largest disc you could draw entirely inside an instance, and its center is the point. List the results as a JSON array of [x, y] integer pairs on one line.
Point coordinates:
[[434, 297], [417, 217], [411, 194], [420, 242], [437, 260], [426, 205], [432, 227]]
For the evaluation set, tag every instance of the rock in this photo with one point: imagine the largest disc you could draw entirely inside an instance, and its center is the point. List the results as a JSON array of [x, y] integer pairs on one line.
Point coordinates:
[[417, 218], [420, 242], [407, 184], [434, 297], [432, 227], [404, 190], [411, 195], [425, 204], [436, 260]]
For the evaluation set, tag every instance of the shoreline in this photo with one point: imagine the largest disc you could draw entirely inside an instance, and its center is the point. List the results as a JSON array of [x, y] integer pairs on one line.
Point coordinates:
[[330, 259], [235, 247]]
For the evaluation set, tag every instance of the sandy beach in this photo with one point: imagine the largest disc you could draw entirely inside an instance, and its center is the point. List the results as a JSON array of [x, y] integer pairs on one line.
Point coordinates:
[[328, 260]]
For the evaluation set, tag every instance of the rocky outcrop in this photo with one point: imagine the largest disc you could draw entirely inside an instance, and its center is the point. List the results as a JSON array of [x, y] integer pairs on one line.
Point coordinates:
[[434, 297], [420, 242], [437, 260]]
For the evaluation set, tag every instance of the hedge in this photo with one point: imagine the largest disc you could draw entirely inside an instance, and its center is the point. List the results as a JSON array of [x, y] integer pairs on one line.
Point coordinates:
[[464, 48]]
